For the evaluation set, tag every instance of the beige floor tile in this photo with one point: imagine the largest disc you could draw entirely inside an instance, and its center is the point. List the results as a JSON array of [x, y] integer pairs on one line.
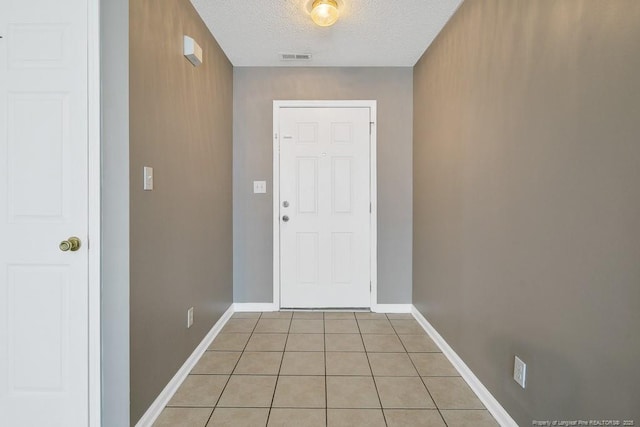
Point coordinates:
[[305, 326], [365, 315], [239, 325], [343, 342], [272, 326], [300, 392], [341, 326], [259, 363], [452, 393], [281, 417], [375, 326], [338, 315], [246, 315], [391, 365], [355, 418], [464, 418], [407, 316], [382, 343], [267, 342], [248, 391], [403, 393], [413, 418], [433, 365], [199, 390], [347, 364], [308, 315], [183, 417], [302, 363], [230, 342], [418, 343], [216, 362], [305, 342], [407, 327], [239, 417], [352, 392], [277, 315]]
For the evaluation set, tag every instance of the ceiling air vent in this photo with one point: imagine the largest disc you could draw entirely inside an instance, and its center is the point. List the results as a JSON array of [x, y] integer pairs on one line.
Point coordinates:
[[295, 56]]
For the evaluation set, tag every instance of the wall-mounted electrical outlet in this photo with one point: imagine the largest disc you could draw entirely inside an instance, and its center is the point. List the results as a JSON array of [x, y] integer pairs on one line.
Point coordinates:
[[519, 371], [189, 317], [147, 183]]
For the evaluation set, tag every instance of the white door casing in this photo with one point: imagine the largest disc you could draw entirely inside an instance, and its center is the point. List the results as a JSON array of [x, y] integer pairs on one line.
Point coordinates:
[[324, 218], [45, 96]]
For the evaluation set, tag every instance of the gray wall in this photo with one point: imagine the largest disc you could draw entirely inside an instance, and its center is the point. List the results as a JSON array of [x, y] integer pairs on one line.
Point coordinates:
[[114, 15], [181, 238], [527, 201], [255, 89]]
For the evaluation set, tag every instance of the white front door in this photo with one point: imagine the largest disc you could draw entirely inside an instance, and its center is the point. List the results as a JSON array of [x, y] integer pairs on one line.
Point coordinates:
[[43, 201], [324, 207]]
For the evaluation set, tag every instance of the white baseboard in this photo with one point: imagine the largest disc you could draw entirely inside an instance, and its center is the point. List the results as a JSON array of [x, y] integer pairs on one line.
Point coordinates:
[[392, 308], [377, 308], [244, 307], [165, 396], [494, 407]]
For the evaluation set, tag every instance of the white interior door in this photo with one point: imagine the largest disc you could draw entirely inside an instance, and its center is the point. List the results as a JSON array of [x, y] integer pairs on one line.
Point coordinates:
[[43, 201], [324, 207]]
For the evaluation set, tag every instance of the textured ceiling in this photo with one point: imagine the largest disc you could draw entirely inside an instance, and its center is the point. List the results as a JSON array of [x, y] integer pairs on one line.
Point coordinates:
[[369, 32]]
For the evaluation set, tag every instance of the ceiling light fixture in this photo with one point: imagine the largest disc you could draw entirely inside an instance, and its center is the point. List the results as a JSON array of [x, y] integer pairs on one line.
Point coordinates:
[[324, 12]]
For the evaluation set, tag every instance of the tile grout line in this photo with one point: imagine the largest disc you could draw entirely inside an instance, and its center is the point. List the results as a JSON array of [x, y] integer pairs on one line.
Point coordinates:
[[420, 376], [373, 378], [234, 368], [286, 340], [326, 393]]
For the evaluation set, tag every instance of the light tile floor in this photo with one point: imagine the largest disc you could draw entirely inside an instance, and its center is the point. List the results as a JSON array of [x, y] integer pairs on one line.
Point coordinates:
[[309, 369]]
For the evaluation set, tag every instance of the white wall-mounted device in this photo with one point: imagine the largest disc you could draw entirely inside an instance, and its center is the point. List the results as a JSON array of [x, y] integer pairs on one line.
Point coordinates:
[[520, 371], [192, 51], [147, 183], [260, 187]]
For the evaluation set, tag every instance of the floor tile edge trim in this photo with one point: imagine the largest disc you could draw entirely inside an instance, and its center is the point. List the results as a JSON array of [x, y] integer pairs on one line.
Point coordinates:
[[154, 411], [254, 306], [392, 308], [493, 406]]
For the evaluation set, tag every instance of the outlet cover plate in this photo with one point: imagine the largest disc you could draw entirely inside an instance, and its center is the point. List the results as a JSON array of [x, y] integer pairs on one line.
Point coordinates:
[[189, 317], [520, 371], [147, 183]]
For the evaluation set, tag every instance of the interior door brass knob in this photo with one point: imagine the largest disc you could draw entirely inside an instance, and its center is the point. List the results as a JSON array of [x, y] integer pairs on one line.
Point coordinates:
[[73, 244]]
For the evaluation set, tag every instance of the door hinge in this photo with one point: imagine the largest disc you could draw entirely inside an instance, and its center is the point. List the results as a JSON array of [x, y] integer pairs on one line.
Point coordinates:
[[370, 126], [370, 208], [370, 287]]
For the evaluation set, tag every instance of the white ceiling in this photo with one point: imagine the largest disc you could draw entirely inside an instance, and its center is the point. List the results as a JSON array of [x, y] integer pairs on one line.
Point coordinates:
[[390, 33]]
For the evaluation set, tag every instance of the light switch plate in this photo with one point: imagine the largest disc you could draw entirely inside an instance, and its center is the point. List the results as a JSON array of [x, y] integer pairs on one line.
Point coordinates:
[[259, 187], [147, 184]]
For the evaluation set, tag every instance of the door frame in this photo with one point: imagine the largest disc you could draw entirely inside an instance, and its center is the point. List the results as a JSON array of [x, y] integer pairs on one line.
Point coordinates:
[[373, 224], [94, 244]]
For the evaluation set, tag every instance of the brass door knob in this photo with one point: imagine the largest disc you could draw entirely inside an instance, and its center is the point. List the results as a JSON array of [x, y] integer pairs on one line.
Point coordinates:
[[73, 244]]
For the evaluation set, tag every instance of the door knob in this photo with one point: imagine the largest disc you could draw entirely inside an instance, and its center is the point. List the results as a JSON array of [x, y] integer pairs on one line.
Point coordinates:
[[285, 218], [73, 244]]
